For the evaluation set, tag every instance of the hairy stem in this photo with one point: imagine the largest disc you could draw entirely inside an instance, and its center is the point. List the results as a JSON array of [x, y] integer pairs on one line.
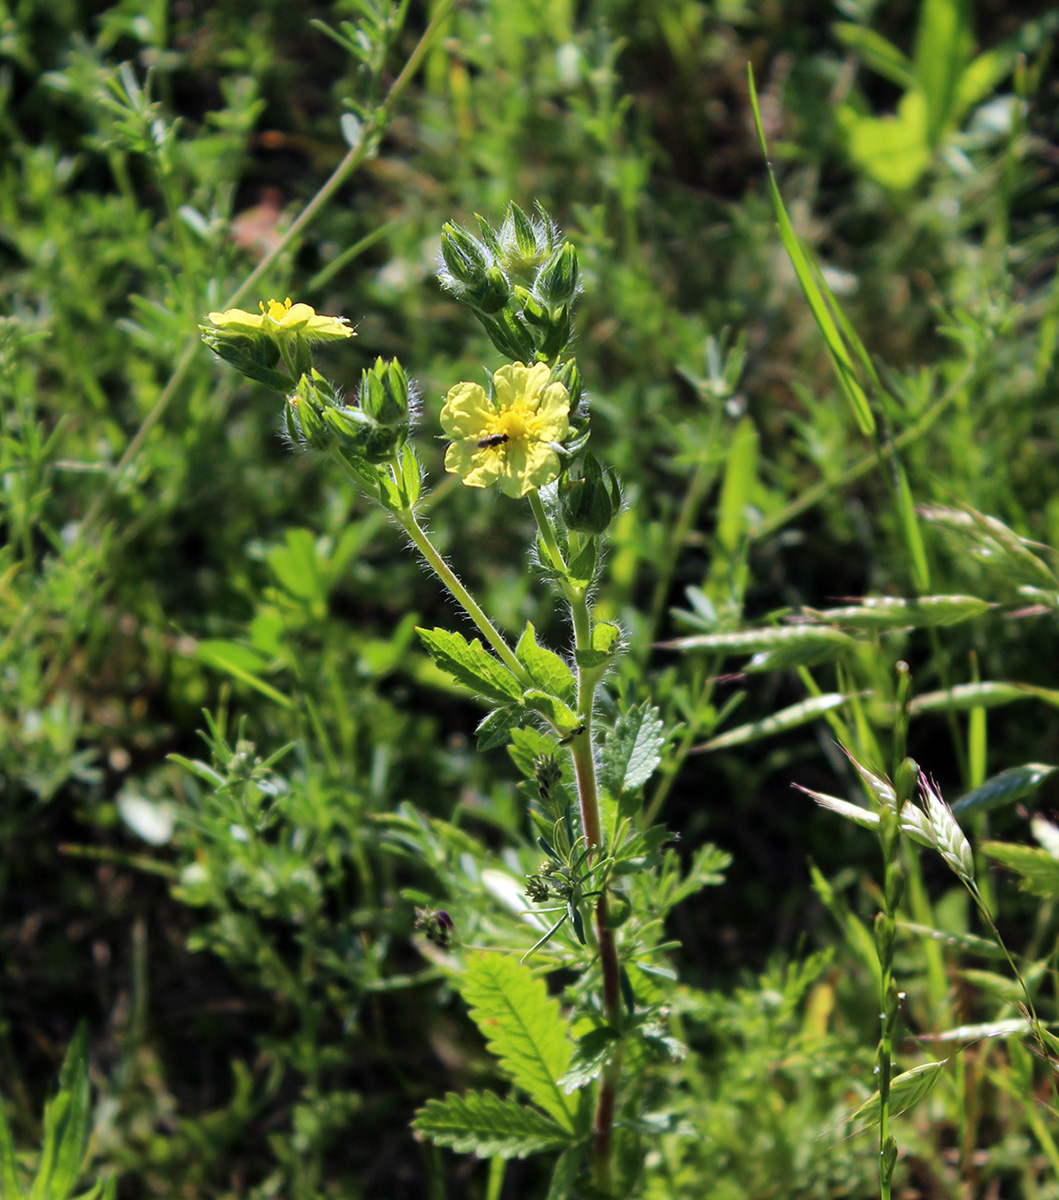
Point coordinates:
[[462, 596], [588, 796]]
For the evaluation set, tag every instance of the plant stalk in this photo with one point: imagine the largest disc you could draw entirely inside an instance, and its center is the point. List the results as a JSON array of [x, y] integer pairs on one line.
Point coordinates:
[[462, 596], [588, 796]]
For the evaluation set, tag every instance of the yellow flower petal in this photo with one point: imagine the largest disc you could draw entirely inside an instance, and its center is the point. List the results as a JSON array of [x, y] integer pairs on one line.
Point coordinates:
[[235, 320], [467, 410]]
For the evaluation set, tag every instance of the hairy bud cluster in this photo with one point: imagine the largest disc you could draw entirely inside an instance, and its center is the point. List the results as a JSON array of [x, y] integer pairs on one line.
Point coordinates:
[[520, 280], [372, 430]]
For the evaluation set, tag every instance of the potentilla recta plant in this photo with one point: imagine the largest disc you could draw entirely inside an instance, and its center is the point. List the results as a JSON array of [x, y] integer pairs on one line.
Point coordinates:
[[603, 878]]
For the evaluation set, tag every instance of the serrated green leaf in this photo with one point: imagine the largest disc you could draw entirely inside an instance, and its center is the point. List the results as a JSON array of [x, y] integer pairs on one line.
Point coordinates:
[[787, 718], [471, 664], [560, 716], [632, 750], [1038, 871], [593, 1052], [1006, 787], [482, 1123], [906, 1090], [523, 1027], [546, 668], [494, 729]]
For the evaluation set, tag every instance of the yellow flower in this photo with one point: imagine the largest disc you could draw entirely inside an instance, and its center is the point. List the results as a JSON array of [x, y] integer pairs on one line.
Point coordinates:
[[282, 318], [507, 438]]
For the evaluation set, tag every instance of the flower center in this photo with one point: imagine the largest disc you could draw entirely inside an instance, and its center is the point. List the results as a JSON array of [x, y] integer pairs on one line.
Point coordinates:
[[515, 424], [275, 310]]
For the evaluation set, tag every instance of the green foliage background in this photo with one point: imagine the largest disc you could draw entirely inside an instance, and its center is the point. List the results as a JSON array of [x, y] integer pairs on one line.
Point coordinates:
[[262, 1019]]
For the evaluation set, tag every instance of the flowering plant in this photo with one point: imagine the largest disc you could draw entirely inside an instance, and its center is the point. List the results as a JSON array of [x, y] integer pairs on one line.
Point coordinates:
[[527, 435]]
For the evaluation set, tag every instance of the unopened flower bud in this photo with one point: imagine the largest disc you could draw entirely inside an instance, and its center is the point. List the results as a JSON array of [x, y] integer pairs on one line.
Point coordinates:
[[463, 255], [304, 415], [384, 393], [590, 501], [559, 280]]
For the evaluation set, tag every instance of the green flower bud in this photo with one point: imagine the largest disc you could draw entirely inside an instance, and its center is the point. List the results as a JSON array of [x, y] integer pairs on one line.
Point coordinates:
[[590, 501], [493, 294], [519, 236], [384, 393], [559, 279], [254, 355], [304, 416], [463, 255]]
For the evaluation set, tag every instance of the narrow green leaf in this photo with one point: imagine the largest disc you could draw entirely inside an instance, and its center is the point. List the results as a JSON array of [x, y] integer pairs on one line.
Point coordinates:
[[546, 669], [523, 1027], [969, 942], [1001, 988], [1004, 788], [65, 1126], [1037, 869], [944, 44], [740, 476], [471, 664], [913, 535], [876, 52], [632, 750], [482, 1123], [241, 663], [836, 348], [779, 722], [906, 1090], [565, 1174], [9, 1189]]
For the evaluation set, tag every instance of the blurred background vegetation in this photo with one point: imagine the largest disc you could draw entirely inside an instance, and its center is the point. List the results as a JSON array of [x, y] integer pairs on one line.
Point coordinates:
[[261, 1019]]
